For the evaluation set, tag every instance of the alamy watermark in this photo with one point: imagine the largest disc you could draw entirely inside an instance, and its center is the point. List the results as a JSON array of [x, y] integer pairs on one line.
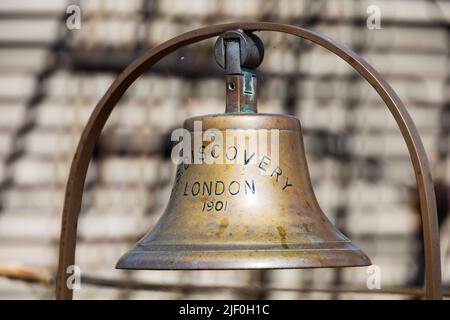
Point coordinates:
[[74, 280], [374, 279], [73, 21], [374, 19]]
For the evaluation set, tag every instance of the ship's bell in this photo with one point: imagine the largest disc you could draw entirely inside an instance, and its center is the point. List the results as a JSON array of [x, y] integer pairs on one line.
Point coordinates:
[[246, 215], [253, 209]]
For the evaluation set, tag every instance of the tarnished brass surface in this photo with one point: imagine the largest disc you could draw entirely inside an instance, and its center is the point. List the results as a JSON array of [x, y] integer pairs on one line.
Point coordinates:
[[103, 109], [250, 214]]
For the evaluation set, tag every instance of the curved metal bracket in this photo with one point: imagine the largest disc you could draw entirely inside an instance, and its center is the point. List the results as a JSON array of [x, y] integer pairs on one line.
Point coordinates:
[[98, 118]]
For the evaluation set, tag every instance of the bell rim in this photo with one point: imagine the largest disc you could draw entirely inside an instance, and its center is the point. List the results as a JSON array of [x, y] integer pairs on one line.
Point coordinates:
[[281, 258]]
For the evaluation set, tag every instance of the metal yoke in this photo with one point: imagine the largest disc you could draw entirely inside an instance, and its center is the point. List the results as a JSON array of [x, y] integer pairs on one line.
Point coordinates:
[[239, 53]]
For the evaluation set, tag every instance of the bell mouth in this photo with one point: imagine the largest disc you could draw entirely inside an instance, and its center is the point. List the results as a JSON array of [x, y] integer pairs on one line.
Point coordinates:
[[225, 257]]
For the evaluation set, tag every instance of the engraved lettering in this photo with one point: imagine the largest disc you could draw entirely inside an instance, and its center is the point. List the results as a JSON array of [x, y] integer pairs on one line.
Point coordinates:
[[217, 193], [195, 188], [236, 188], [278, 172], [234, 154], [178, 175], [202, 153], [286, 184], [251, 187], [247, 160], [218, 187], [219, 205], [265, 161], [213, 151], [207, 188]]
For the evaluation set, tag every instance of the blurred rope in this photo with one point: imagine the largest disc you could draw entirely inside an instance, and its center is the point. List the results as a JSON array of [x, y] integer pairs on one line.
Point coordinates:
[[42, 277], [18, 272]]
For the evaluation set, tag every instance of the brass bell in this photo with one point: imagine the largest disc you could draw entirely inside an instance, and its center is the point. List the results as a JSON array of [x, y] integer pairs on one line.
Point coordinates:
[[255, 210]]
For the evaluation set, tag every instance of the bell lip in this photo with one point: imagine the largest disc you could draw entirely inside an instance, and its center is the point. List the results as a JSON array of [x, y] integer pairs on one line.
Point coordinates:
[[137, 259]]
